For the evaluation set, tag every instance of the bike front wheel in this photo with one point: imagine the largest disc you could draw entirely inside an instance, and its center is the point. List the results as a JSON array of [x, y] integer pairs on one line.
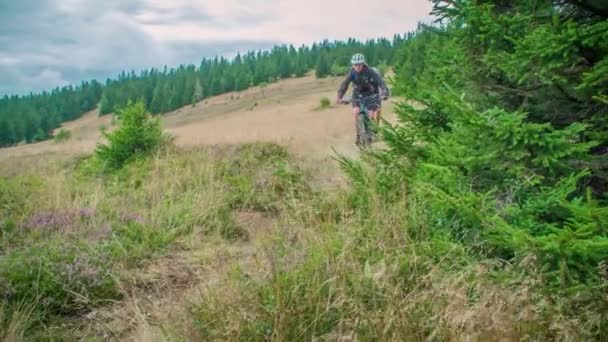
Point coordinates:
[[364, 130]]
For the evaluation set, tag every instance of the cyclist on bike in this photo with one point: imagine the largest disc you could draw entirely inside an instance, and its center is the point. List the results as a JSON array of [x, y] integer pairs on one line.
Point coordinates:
[[379, 90], [367, 85]]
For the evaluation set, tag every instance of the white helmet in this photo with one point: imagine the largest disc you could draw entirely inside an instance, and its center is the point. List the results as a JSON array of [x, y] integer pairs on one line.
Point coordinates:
[[357, 58]]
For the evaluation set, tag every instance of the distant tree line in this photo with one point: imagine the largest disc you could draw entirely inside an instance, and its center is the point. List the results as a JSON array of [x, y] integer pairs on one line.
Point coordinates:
[[33, 117]]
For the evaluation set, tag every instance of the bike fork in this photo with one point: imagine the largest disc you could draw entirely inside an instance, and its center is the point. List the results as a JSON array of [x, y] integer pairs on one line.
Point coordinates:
[[364, 130]]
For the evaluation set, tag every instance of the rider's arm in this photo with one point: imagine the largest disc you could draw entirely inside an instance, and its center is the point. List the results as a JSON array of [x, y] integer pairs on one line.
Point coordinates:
[[380, 82], [344, 86]]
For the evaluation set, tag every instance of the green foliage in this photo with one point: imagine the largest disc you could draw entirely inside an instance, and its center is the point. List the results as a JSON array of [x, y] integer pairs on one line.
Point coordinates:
[[16, 321], [263, 190], [73, 259], [62, 136], [7, 133], [377, 274], [383, 68], [15, 195], [198, 92], [339, 70], [285, 292], [61, 277], [324, 103], [220, 220], [505, 133], [139, 135], [134, 242], [33, 117], [323, 68]]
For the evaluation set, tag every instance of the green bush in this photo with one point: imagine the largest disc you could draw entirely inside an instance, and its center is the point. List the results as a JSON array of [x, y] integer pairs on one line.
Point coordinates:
[[339, 70], [383, 68], [16, 195], [324, 103], [134, 242], [62, 277], [40, 136], [322, 68], [62, 135], [17, 321], [503, 142], [139, 135]]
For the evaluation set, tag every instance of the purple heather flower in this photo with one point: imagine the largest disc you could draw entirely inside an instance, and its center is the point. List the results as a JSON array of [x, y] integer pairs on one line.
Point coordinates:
[[132, 217], [86, 212], [59, 220]]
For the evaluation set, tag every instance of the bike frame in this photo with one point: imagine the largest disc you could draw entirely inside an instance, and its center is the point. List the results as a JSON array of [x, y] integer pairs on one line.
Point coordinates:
[[364, 123]]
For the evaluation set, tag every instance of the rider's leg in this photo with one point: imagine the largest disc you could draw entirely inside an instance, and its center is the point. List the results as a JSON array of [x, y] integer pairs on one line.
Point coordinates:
[[375, 108], [374, 115]]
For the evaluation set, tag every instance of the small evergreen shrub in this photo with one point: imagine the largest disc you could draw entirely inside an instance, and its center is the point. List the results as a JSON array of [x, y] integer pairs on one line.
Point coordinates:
[[324, 103], [139, 135], [62, 135]]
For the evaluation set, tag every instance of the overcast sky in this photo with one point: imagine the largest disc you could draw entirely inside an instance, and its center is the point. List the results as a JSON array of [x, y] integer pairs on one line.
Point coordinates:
[[49, 43]]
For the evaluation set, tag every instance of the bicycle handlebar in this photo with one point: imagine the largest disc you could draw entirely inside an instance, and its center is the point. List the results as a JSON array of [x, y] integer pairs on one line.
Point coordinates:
[[349, 100]]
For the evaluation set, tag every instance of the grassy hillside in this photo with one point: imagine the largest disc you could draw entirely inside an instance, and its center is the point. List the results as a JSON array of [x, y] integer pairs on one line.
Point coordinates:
[[235, 242], [70, 242], [232, 243], [481, 215]]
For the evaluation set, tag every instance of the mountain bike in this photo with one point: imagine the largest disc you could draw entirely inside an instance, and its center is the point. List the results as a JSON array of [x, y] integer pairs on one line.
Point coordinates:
[[365, 134]]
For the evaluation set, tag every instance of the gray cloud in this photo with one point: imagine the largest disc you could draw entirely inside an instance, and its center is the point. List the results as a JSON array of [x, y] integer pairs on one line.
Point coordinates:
[[44, 79], [191, 52], [47, 43], [183, 14]]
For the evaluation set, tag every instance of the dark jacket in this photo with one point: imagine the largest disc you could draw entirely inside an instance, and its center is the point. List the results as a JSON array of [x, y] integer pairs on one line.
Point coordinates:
[[365, 83]]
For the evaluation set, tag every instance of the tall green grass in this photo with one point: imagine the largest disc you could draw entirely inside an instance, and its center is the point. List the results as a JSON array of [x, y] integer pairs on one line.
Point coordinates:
[[353, 263], [358, 264], [71, 238], [374, 261]]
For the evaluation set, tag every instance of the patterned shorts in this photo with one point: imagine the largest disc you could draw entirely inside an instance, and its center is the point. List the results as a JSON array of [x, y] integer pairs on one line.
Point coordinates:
[[372, 102]]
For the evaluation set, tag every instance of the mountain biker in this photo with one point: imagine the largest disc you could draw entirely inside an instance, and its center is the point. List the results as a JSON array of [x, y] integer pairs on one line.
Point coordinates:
[[366, 84], [379, 109]]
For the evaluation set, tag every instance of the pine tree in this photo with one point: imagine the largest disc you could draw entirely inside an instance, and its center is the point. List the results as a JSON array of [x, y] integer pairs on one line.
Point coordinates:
[[106, 105], [216, 86], [301, 66], [496, 149], [323, 68], [285, 67], [157, 99], [198, 92], [32, 126], [7, 133]]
